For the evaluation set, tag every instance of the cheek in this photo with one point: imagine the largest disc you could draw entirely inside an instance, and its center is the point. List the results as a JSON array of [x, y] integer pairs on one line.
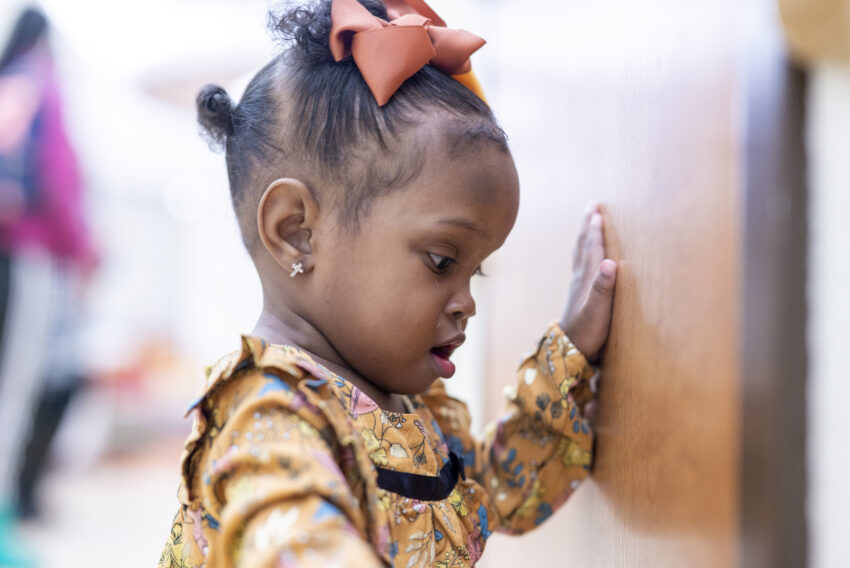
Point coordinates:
[[394, 303], [399, 300]]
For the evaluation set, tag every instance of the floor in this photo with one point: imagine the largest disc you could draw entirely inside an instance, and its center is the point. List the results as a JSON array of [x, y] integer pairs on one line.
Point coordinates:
[[117, 512]]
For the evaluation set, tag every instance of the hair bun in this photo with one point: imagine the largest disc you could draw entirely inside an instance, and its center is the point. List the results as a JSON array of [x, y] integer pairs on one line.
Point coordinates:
[[307, 27], [215, 113]]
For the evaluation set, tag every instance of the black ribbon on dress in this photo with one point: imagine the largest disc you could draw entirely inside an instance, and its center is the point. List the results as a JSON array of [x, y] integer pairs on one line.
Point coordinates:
[[423, 487]]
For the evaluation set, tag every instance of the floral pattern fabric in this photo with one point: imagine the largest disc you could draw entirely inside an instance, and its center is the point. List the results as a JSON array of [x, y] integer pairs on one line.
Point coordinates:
[[280, 467]]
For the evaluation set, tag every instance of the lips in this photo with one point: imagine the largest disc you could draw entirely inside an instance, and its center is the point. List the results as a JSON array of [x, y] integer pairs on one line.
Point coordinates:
[[445, 350], [440, 356]]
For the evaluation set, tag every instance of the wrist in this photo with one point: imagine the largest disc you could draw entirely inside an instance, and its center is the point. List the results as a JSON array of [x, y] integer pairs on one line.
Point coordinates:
[[578, 340]]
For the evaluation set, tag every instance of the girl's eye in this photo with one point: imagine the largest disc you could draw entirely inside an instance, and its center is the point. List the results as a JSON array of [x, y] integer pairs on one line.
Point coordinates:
[[479, 272], [441, 263]]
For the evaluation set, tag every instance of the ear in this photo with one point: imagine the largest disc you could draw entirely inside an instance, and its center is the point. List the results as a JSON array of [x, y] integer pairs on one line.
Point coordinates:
[[286, 217]]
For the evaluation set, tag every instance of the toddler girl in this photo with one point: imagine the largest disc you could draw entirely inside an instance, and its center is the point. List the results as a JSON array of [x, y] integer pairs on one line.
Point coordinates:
[[370, 180]]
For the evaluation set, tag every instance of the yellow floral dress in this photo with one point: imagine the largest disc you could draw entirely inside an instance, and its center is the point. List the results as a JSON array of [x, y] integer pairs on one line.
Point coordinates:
[[290, 465]]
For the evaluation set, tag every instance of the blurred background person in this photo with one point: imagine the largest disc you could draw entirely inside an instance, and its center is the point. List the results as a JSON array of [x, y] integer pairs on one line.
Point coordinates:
[[45, 258]]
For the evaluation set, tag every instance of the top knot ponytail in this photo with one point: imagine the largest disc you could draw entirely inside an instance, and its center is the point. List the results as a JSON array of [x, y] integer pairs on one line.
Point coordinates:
[[215, 114], [307, 28]]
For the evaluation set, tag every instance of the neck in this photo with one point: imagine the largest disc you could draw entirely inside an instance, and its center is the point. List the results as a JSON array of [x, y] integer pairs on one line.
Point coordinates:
[[282, 326]]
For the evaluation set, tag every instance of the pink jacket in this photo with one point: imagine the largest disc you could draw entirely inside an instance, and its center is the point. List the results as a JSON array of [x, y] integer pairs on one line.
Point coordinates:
[[56, 221]]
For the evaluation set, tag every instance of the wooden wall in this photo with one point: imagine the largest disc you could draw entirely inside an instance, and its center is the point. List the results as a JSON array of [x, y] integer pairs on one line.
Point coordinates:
[[634, 104]]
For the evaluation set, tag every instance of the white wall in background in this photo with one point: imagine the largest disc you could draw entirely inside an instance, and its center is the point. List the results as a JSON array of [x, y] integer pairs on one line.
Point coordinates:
[[172, 263], [829, 316]]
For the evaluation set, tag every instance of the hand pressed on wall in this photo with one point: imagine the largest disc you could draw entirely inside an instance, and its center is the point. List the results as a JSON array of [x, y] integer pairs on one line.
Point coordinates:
[[587, 316]]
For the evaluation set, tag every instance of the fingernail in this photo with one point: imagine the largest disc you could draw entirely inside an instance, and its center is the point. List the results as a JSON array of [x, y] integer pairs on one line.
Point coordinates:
[[608, 268]]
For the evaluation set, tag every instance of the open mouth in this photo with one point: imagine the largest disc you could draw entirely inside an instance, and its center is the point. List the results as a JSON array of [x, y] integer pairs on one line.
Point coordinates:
[[444, 351], [440, 358]]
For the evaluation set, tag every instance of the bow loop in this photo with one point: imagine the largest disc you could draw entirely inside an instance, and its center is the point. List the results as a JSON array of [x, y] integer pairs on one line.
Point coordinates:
[[453, 48], [347, 19], [389, 53], [410, 20]]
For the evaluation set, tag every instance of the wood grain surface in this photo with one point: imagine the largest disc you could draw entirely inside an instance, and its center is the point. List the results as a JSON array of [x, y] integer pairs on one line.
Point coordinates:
[[817, 29], [633, 104]]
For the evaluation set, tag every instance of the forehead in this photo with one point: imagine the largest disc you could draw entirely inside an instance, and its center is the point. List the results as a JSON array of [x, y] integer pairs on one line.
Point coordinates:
[[476, 192]]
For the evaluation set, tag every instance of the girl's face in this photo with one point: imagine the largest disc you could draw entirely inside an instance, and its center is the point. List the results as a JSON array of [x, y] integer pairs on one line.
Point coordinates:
[[395, 298]]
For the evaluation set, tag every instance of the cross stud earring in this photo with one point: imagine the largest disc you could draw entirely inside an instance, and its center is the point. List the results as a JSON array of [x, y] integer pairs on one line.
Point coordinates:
[[296, 269]]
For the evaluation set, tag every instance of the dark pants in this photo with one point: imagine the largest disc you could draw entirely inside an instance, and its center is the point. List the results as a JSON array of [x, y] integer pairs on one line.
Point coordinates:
[[48, 416]]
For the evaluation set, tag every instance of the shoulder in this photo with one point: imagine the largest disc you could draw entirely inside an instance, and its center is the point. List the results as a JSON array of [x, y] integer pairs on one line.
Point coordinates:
[[256, 380], [258, 370]]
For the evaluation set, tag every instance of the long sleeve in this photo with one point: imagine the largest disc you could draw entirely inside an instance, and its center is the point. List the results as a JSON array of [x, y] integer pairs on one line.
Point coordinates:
[[284, 466], [264, 483], [279, 494], [44, 168], [534, 456], [62, 185]]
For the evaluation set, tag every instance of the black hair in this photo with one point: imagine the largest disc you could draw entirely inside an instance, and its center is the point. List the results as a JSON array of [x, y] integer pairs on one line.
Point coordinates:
[[305, 115], [27, 31]]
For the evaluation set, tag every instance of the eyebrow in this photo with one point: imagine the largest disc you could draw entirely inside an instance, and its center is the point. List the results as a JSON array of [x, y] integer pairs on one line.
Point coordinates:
[[463, 224]]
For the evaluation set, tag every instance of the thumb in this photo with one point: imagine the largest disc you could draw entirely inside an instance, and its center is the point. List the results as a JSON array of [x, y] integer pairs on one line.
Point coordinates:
[[595, 317], [603, 283], [601, 296]]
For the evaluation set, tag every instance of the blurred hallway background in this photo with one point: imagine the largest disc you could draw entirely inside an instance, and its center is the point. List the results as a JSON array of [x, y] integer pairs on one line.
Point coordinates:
[[158, 210]]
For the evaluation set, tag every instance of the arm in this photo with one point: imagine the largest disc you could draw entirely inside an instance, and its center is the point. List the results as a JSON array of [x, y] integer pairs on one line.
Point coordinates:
[[277, 494], [538, 452], [19, 105], [62, 185], [535, 455]]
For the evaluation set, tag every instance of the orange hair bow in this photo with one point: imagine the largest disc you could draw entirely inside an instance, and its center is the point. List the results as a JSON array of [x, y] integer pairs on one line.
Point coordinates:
[[389, 53]]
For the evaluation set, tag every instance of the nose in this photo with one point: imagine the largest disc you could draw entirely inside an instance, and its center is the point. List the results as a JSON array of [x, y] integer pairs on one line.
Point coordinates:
[[461, 306]]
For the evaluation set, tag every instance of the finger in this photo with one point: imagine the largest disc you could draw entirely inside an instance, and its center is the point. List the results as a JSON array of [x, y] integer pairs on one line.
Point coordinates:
[[594, 251], [592, 207], [594, 230], [602, 291], [602, 234]]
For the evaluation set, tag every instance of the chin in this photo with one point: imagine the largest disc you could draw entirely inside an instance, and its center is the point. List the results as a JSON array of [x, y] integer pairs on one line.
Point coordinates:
[[418, 387], [417, 383], [406, 379]]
